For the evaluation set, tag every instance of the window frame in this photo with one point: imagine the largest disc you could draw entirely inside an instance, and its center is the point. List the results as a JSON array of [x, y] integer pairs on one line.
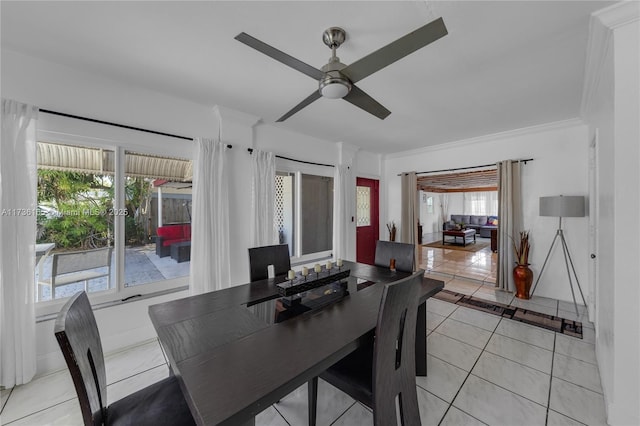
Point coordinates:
[[93, 135], [297, 169]]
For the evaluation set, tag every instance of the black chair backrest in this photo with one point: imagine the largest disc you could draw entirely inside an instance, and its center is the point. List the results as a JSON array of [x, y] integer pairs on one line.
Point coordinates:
[[77, 334], [403, 253], [394, 372], [261, 257]]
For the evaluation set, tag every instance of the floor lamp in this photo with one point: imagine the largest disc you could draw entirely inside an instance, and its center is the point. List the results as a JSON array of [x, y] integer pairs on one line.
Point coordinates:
[[559, 206]]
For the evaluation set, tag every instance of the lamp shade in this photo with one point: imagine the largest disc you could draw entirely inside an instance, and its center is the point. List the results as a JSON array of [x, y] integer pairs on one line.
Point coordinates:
[[562, 206]]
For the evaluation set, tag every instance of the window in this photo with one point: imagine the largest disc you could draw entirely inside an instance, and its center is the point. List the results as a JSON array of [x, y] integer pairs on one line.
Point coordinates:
[[481, 203], [363, 206], [304, 209], [429, 204], [95, 199]]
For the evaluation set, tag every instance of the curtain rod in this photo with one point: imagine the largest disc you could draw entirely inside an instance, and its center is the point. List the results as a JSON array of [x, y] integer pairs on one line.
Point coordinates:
[[297, 161], [467, 168], [123, 126]]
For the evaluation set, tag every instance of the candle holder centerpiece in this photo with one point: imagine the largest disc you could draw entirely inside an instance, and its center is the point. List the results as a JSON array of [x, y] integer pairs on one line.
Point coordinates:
[[301, 283]]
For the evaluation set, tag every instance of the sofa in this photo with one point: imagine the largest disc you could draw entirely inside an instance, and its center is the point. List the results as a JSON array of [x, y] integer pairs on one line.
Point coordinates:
[[171, 234], [482, 224]]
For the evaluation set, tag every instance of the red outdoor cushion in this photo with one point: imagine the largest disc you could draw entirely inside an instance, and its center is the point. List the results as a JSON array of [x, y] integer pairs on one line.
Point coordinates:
[[186, 232], [171, 232]]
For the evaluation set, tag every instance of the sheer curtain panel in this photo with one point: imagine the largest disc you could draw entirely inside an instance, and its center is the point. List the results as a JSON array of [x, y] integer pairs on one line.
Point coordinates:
[[343, 202], [263, 165], [210, 265], [509, 220], [18, 176]]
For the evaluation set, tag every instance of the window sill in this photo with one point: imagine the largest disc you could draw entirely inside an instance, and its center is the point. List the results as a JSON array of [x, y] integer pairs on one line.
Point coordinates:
[[130, 299]]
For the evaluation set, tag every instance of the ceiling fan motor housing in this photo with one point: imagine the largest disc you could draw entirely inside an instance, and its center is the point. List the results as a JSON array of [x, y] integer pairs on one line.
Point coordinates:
[[334, 85]]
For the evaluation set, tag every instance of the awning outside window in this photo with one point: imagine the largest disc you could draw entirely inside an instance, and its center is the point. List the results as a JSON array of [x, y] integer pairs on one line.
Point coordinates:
[[101, 161]]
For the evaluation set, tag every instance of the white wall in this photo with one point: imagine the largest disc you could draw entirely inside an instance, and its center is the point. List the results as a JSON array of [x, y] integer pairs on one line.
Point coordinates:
[[560, 153], [613, 108]]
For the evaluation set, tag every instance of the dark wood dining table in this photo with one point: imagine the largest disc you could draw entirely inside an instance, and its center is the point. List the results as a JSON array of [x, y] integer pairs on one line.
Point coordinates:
[[232, 365]]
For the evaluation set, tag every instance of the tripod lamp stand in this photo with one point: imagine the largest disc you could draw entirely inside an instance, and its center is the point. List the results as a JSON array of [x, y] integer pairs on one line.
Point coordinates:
[[560, 206]]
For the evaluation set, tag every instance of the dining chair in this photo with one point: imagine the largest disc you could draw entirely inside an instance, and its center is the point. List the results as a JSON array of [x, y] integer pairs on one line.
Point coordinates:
[[403, 253], [77, 333], [382, 369], [261, 257]]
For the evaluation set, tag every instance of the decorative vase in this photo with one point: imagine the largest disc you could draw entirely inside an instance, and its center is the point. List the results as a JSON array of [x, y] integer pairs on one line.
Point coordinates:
[[522, 277]]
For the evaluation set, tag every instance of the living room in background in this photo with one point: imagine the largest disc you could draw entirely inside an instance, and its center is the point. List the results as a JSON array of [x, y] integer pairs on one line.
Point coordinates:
[[304, 209]]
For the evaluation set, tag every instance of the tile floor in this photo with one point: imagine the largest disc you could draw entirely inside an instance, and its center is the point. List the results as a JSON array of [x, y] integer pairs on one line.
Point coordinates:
[[482, 369]]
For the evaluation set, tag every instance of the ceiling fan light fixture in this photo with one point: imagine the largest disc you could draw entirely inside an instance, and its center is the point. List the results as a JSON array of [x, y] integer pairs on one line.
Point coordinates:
[[334, 87]]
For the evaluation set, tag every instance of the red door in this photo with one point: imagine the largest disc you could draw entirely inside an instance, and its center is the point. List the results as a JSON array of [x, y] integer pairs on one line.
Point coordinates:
[[367, 215]]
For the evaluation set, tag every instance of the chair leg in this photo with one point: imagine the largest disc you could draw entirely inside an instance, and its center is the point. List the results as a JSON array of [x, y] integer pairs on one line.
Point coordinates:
[[313, 400]]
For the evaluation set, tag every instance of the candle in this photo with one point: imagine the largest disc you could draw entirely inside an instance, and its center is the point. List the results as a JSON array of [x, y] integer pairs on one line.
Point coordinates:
[[329, 265], [291, 275], [317, 268], [339, 263], [305, 271]]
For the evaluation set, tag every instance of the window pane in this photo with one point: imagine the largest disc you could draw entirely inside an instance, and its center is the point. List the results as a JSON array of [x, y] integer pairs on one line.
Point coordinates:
[[157, 218], [316, 213], [284, 215], [74, 221], [363, 206]]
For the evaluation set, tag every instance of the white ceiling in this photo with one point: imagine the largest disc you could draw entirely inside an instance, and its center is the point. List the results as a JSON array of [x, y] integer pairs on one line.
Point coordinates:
[[504, 64]]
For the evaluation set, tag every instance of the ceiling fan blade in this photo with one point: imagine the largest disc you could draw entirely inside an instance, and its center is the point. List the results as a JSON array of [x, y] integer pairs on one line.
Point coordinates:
[[312, 97], [360, 99], [395, 50], [279, 56]]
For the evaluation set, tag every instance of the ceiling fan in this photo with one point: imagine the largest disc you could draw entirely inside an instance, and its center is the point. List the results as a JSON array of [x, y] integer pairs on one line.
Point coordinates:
[[337, 80]]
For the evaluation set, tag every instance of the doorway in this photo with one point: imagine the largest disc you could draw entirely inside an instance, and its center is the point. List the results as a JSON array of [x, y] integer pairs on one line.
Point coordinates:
[[367, 219]]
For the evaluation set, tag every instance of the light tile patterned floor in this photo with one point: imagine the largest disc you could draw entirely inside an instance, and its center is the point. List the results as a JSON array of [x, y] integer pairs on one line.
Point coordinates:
[[482, 369]]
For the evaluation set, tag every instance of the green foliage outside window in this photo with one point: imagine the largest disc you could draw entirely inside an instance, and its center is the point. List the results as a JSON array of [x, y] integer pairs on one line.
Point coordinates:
[[76, 209]]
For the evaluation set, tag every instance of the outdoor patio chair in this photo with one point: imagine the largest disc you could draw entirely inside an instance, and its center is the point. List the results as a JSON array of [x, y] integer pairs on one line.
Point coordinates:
[[77, 333], [383, 368], [76, 266]]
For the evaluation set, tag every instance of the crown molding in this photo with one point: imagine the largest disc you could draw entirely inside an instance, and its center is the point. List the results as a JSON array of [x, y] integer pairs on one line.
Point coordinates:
[[490, 137], [619, 14], [601, 26], [235, 116]]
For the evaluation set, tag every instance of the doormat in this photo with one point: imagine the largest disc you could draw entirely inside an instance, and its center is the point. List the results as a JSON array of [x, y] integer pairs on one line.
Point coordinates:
[[479, 245], [550, 322]]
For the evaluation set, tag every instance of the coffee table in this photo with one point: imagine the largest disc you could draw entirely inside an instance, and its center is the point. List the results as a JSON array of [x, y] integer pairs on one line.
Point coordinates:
[[467, 236]]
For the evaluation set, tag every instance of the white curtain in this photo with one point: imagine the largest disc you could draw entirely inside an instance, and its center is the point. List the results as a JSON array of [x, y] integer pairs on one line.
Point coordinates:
[[343, 200], [263, 165], [409, 209], [484, 203], [210, 265], [444, 207], [509, 220], [18, 176]]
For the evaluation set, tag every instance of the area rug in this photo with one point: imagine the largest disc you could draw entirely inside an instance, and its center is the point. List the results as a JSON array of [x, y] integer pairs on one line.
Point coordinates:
[[479, 245], [550, 322]]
